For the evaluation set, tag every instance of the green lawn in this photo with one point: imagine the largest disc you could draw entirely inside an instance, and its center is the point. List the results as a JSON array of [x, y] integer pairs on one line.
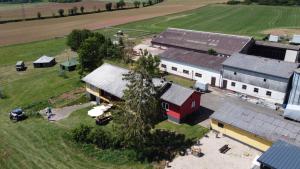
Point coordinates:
[[35, 143], [30, 51], [180, 80], [235, 19], [190, 131]]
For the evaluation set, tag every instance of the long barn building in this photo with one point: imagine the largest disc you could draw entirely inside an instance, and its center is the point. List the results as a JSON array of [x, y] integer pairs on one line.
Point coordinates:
[[198, 55]]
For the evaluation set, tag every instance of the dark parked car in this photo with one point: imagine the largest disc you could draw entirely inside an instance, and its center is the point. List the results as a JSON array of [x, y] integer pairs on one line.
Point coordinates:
[[20, 66], [17, 115]]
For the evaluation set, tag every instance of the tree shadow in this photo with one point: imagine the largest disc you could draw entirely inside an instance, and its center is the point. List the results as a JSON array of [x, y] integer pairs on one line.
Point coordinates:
[[199, 116], [164, 145]]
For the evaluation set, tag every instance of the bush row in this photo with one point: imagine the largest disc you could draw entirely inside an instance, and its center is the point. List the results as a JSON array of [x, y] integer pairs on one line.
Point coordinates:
[[120, 5], [266, 2], [154, 150]]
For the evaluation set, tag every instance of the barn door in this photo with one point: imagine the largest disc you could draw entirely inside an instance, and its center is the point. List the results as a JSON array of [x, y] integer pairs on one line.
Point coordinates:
[[213, 81], [224, 84]]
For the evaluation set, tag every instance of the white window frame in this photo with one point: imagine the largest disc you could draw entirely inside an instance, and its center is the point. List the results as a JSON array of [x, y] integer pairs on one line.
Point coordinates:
[[165, 105], [193, 104]]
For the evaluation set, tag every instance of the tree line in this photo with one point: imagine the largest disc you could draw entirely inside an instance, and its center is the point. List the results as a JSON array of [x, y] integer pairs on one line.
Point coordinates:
[[266, 2]]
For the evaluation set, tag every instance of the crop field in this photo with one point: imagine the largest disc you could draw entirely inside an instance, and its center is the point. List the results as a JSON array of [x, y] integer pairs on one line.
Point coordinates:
[[36, 143], [46, 9], [235, 19], [21, 32]]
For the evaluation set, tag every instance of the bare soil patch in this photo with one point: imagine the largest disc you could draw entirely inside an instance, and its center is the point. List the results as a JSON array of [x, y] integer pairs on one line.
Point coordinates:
[[21, 32], [282, 31]]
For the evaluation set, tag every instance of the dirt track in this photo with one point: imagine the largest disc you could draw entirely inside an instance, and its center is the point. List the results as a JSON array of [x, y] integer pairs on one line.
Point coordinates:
[[21, 32]]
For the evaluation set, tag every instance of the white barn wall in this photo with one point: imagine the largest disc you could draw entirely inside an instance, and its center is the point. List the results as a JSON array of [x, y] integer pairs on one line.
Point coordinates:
[[276, 97], [206, 73]]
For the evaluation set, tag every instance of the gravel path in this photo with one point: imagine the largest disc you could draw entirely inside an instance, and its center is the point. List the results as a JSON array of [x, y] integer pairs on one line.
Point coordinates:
[[62, 113]]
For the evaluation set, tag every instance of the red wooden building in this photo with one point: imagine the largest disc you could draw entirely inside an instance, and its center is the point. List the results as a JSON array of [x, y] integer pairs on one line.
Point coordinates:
[[106, 84], [180, 102]]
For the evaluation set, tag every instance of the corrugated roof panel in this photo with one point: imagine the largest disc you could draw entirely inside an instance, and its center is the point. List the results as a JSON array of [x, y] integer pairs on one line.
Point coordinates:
[[281, 155], [268, 126], [261, 65]]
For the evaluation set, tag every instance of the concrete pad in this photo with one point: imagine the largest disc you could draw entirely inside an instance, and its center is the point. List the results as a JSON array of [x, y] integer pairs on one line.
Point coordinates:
[[240, 156]]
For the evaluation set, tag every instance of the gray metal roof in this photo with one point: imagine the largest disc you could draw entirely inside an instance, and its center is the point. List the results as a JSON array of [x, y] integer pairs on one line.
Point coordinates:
[[194, 58], [281, 155], [19, 63], [202, 41], [296, 39], [273, 38], [177, 94], [268, 126], [108, 78], [44, 59], [261, 65], [277, 45]]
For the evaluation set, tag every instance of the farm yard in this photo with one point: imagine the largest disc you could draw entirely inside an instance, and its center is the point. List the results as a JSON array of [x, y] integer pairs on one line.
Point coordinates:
[[47, 9], [35, 143], [21, 32]]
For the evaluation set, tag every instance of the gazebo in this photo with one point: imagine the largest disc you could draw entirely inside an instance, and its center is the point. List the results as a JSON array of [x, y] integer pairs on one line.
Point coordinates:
[[69, 65]]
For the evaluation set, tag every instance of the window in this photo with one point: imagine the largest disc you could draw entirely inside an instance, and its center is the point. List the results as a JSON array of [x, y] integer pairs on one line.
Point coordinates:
[[221, 125], [232, 84], [174, 68], [265, 80], [198, 75], [255, 90], [185, 71], [193, 104], [268, 93], [163, 66], [165, 105], [244, 87], [234, 73]]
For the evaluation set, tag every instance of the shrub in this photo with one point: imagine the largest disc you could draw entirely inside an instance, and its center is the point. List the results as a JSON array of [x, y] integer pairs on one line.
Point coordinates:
[[108, 6], [150, 2], [61, 12], [137, 4], [82, 9], [120, 4], [211, 52], [99, 137], [81, 133], [39, 15]]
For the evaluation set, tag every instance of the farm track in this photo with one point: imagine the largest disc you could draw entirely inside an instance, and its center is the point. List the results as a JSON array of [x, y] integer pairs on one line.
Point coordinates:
[[22, 32]]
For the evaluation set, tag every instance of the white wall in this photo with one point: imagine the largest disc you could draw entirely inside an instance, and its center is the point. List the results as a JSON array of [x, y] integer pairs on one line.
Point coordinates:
[[276, 97], [291, 56], [206, 73]]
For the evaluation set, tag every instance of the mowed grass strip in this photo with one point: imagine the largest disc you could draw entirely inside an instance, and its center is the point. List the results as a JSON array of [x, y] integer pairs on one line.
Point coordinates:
[[31, 51], [235, 19]]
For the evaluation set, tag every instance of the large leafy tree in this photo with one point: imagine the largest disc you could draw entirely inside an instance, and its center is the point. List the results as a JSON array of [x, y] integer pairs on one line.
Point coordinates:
[[77, 37], [89, 55]]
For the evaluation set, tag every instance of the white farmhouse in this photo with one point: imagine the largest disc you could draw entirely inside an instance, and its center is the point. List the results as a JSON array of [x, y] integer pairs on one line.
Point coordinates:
[[259, 77]]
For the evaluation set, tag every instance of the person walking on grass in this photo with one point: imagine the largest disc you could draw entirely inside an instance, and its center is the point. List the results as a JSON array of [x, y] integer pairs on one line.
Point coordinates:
[[49, 113]]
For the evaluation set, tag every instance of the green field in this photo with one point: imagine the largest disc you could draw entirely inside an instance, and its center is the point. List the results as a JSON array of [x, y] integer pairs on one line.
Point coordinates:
[[35, 143], [236, 19]]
